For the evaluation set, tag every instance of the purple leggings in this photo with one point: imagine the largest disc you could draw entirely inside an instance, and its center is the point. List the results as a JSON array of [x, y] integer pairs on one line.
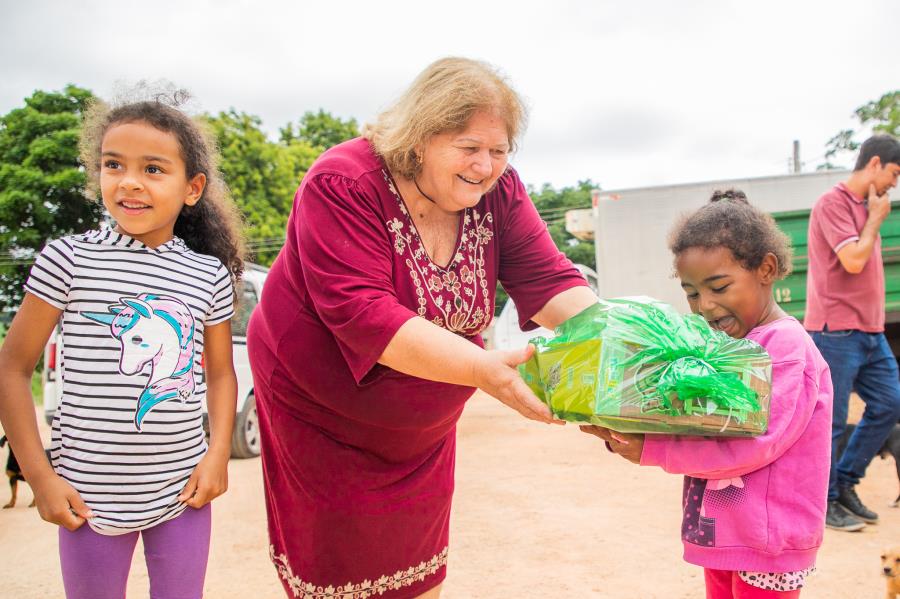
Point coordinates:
[[95, 566]]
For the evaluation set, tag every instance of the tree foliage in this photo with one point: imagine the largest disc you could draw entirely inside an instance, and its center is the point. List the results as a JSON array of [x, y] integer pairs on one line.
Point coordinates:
[[41, 182], [320, 130], [552, 205], [264, 174], [882, 115]]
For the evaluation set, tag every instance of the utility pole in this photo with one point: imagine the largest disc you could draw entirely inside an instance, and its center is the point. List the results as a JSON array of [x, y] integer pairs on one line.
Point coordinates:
[[796, 156]]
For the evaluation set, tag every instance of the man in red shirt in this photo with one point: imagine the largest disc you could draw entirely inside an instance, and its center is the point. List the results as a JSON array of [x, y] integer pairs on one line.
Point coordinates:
[[845, 315]]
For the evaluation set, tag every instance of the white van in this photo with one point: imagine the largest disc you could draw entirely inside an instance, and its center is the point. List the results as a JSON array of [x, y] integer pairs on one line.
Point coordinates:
[[245, 441], [508, 335]]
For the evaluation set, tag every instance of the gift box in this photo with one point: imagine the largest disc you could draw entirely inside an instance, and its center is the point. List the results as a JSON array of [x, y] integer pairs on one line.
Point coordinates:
[[636, 365]]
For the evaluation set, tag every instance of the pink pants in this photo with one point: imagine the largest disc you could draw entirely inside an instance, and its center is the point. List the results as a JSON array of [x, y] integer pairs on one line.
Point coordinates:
[[726, 584]]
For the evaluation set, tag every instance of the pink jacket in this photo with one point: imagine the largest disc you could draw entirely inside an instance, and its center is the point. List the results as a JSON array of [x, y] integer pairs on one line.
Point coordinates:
[[758, 503]]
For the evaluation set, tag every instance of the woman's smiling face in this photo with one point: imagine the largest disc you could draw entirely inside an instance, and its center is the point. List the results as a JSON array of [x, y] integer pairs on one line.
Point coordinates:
[[732, 298], [459, 167]]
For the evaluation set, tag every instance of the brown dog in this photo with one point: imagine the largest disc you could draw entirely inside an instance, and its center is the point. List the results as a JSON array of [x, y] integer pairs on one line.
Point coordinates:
[[14, 472], [890, 567]]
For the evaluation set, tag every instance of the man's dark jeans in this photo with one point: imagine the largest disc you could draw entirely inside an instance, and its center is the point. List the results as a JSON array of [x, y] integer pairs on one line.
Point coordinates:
[[860, 362]]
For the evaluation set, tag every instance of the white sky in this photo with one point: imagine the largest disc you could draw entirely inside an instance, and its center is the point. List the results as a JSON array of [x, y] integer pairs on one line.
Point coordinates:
[[625, 93]]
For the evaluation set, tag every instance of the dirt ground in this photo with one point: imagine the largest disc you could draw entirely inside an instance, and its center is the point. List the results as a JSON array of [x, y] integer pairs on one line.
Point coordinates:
[[538, 512]]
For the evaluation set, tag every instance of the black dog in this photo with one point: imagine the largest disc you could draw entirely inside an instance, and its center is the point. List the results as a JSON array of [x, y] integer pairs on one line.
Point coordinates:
[[891, 447], [14, 472]]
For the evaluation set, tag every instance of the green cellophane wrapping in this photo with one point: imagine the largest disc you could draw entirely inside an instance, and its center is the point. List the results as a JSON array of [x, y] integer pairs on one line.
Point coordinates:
[[636, 365]]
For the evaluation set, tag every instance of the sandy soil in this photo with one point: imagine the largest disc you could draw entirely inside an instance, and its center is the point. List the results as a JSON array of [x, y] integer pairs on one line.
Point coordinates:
[[539, 512]]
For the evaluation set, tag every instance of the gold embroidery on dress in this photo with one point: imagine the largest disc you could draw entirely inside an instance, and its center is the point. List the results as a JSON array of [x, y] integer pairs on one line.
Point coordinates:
[[361, 590], [469, 310]]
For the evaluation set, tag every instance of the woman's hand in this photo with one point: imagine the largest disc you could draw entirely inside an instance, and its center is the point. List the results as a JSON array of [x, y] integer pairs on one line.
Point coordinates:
[[496, 374], [208, 480], [629, 446], [59, 503]]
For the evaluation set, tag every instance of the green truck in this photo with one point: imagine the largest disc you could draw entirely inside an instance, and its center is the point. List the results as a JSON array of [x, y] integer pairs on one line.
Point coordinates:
[[630, 226], [791, 292]]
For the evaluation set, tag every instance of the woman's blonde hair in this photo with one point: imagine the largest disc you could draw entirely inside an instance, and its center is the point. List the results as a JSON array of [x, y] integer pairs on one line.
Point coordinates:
[[443, 98]]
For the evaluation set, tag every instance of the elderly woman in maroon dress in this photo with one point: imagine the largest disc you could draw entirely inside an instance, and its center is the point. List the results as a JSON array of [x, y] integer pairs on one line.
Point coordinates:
[[367, 344]]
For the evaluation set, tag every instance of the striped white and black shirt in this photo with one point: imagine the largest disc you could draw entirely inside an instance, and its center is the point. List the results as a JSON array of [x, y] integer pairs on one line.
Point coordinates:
[[128, 430]]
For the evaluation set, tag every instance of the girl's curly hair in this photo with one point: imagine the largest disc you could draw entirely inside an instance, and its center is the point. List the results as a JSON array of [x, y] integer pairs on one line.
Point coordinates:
[[730, 221], [211, 226]]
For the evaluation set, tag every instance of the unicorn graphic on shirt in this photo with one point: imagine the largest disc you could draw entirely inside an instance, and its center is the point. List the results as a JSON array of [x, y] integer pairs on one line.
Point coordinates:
[[159, 331]]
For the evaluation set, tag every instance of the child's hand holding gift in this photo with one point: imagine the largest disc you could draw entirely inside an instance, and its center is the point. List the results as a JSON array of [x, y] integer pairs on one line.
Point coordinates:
[[627, 445]]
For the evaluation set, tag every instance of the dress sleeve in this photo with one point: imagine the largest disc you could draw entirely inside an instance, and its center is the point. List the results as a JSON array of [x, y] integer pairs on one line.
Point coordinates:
[[51, 275], [345, 251], [794, 396], [532, 270], [838, 226], [222, 306]]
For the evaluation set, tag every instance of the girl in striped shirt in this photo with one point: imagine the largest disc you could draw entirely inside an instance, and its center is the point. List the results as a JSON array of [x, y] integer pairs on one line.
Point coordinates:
[[138, 305]]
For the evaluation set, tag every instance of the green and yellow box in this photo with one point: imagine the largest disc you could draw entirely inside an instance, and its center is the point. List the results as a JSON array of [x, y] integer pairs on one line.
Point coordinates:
[[637, 366]]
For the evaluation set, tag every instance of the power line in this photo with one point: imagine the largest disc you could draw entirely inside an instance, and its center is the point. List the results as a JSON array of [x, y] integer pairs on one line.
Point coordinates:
[[562, 209]]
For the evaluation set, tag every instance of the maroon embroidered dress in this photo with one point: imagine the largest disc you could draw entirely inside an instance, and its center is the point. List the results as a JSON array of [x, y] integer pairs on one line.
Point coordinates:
[[358, 458]]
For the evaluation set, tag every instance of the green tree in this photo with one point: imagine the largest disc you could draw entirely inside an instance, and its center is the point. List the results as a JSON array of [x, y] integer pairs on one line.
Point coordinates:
[[41, 182], [883, 115], [320, 130], [262, 175], [552, 205]]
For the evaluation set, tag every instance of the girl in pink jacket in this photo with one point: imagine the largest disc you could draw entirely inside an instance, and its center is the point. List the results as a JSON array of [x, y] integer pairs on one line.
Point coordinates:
[[754, 508]]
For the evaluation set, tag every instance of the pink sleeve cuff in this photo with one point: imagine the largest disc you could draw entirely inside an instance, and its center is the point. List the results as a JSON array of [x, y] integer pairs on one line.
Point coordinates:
[[654, 452]]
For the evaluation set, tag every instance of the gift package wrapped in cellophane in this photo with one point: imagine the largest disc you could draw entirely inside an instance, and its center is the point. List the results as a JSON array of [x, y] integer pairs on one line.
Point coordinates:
[[636, 365]]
